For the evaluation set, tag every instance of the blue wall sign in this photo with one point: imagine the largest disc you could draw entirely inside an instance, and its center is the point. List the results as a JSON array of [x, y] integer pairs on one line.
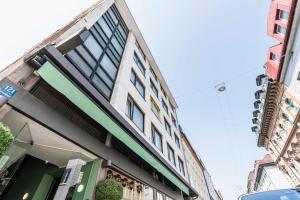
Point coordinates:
[[8, 91]]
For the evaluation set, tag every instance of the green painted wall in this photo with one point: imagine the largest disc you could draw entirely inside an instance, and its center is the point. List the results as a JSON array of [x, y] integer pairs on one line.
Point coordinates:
[[43, 188], [62, 84], [89, 180]]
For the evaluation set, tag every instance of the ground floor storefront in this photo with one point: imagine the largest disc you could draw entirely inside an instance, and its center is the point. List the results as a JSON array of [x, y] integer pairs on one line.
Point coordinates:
[[59, 152]]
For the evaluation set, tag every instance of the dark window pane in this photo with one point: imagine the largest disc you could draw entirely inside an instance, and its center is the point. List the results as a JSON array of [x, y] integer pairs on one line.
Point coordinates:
[[98, 37], [138, 117], [128, 108], [77, 60], [105, 27], [101, 86], [93, 47], [90, 60], [104, 77], [112, 15], [112, 57], [108, 66], [138, 63], [117, 45], [140, 88], [133, 77]]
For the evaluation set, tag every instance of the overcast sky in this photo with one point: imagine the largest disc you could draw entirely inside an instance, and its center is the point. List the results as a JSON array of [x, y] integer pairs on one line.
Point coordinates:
[[197, 45]]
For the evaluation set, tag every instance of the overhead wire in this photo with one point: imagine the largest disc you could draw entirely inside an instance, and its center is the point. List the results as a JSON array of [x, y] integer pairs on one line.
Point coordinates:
[[236, 77]]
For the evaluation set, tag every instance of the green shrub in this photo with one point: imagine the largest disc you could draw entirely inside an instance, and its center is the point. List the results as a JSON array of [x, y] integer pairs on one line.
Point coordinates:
[[109, 190], [6, 139]]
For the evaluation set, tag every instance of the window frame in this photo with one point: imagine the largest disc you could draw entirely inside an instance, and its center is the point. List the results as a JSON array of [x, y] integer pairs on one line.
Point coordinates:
[[280, 15], [176, 138], [153, 131], [167, 124], [181, 166], [153, 88], [163, 91], [170, 149], [154, 104], [279, 27], [104, 81], [174, 121], [137, 79], [139, 63], [165, 106], [153, 74], [131, 114]]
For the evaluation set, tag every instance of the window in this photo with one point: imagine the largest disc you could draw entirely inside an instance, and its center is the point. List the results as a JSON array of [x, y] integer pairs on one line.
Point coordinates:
[[137, 83], [171, 155], [168, 127], [181, 166], [135, 113], [284, 15], [140, 49], [139, 63], [174, 121], [155, 109], [153, 73], [274, 57], [165, 107], [163, 91], [156, 138], [159, 196], [98, 58], [154, 89], [177, 142], [280, 30], [148, 193], [172, 107]]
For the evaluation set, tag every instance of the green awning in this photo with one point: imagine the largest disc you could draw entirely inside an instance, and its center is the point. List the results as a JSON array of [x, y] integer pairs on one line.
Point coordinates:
[[58, 81]]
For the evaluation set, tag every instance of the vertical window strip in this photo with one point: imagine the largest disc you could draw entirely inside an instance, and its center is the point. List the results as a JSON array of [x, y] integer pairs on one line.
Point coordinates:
[[112, 48]]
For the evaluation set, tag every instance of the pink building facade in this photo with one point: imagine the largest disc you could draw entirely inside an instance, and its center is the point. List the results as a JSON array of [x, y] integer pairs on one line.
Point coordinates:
[[278, 26]]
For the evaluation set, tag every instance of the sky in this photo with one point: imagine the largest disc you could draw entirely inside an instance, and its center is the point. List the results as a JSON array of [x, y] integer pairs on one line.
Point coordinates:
[[197, 45]]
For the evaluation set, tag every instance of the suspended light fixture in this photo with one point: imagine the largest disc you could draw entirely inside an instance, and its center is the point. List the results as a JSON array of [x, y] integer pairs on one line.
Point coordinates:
[[220, 87]]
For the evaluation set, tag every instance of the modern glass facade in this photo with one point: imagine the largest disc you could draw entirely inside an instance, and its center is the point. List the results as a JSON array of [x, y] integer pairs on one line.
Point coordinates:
[[99, 57]]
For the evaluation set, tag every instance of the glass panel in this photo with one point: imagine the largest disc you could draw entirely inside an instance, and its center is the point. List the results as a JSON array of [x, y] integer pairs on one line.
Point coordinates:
[[148, 193], [171, 155], [117, 45], [101, 86], [138, 63], [283, 15], [105, 27], [128, 108], [133, 77], [93, 47], [109, 67], [281, 30], [157, 140], [140, 88], [120, 28], [104, 77], [159, 196], [112, 56], [114, 18], [138, 117], [102, 34], [79, 63], [90, 60], [98, 37]]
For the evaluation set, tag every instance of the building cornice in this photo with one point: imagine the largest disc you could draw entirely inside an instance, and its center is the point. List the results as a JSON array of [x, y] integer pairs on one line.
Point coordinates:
[[273, 96]]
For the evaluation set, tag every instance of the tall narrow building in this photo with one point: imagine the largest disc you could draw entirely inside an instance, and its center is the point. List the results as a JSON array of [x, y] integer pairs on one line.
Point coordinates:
[[277, 102], [86, 104]]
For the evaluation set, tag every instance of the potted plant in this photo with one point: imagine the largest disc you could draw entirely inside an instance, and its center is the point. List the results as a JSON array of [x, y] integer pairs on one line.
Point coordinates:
[[6, 138], [109, 189]]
